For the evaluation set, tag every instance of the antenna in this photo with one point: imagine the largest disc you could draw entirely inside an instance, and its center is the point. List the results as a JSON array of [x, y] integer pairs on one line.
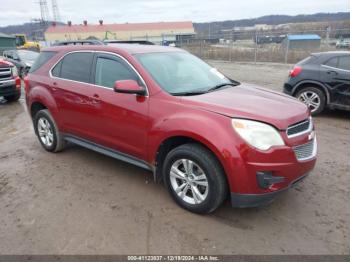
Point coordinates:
[[44, 10], [55, 11]]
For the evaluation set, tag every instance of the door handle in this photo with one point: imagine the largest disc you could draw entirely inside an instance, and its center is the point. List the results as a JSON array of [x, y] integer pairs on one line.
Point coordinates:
[[332, 73], [54, 87], [96, 99]]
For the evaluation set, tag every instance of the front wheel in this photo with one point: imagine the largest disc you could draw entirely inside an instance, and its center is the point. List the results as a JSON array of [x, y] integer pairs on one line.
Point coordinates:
[[195, 178], [314, 98]]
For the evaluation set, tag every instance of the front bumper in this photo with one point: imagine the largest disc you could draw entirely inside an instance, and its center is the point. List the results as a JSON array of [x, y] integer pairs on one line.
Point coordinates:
[[256, 200], [8, 88]]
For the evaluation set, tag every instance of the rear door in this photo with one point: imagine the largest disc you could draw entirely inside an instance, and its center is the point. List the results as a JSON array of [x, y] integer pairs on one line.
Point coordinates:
[[336, 74], [74, 94]]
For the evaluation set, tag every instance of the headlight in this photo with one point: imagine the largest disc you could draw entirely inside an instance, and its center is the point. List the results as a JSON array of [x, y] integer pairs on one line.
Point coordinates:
[[14, 71], [257, 134]]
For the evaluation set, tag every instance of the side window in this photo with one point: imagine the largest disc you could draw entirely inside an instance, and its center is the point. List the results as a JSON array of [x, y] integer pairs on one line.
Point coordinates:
[[42, 59], [109, 70], [9, 54], [77, 66], [344, 62], [333, 62], [56, 71]]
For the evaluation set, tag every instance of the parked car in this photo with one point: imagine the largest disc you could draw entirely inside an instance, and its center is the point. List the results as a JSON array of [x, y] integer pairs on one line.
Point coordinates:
[[10, 83], [79, 42], [22, 59], [343, 43], [322, 80], [140, 42], [160, 108]]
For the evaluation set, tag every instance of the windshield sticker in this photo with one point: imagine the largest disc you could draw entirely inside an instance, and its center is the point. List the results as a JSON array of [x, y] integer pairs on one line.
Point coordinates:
[[217, 73]]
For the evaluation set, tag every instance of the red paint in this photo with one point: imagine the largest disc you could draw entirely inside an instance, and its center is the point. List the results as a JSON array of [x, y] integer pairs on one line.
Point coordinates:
[[137, 125]]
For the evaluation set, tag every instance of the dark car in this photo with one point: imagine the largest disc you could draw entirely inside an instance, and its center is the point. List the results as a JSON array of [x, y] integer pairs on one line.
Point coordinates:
[[140, 42], [22, 59], [165, 110], [321, 81], [79, 42]]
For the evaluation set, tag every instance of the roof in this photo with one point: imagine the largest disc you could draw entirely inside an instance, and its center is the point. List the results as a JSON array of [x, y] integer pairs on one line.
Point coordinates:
[[120, 27], [2, 35], [304, 37], [332, 53], [128, 48]]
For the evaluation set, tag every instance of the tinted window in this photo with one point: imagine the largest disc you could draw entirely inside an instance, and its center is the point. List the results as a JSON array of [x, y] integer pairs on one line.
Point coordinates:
[[77, 66], [109, 70], [42, 59], [333, 62], [344, 62], [56, 71]]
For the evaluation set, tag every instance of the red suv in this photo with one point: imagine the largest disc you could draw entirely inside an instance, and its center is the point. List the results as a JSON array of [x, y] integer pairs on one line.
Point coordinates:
[[160, 108]]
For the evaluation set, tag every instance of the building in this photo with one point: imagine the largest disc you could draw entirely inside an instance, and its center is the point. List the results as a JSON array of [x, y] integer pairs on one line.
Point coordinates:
[[155, 32], [7, 42], [311, 41]]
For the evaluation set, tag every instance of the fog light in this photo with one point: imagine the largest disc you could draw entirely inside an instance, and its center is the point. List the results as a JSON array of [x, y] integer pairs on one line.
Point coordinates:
[[266, 179]]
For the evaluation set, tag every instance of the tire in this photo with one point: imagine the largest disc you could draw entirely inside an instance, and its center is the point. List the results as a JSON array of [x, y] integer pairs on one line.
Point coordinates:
[[51, 139], [12, 98], [316, 96], [208, 198]]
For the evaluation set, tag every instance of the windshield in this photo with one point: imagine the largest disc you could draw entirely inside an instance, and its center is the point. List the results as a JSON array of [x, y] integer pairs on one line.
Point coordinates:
[[27, 55], [180, 72]]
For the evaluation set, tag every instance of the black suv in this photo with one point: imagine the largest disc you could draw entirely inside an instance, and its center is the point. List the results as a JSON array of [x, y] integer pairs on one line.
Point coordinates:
[[321, 80]]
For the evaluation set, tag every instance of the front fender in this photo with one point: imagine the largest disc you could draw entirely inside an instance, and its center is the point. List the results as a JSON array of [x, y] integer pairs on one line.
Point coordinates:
[[210, 129]]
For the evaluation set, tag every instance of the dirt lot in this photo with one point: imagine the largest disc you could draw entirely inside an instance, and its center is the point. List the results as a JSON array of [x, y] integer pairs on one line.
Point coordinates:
[[80, 202]]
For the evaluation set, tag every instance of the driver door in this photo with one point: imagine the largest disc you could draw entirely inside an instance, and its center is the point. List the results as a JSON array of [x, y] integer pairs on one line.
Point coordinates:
[[121, 120]]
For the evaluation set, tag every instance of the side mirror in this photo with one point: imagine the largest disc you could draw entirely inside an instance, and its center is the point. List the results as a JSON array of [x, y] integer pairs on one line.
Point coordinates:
[[129, 87]]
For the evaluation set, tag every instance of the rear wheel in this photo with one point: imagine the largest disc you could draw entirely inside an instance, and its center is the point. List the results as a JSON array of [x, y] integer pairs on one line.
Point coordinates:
[[314, 98], [194, 178], [47, 132]]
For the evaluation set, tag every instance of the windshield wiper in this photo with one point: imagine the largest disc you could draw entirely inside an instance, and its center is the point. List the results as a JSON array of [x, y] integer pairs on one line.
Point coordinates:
[[189, 93], [220, 86]]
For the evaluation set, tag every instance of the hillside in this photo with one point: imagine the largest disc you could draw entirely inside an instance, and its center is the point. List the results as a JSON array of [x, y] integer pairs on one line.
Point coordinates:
[[215, 27]]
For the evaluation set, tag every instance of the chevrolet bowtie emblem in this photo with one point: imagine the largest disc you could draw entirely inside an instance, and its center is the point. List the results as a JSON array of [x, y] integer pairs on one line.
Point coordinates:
[[311, 135]]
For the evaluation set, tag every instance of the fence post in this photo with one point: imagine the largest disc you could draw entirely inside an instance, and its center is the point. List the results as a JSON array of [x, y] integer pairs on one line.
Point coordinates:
[[256, 47], [231, 45], [287, 50]]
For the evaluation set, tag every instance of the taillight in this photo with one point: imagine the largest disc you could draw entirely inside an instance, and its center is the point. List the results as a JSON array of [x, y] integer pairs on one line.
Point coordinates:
[[18, 82], [26, 83], [295, 71]]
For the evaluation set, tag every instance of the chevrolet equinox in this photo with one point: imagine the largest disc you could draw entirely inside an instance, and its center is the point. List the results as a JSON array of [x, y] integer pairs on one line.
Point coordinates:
[[207, 137]]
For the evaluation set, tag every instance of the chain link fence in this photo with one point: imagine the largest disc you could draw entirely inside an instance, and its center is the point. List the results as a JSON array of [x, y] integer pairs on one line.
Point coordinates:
[[259, 46]]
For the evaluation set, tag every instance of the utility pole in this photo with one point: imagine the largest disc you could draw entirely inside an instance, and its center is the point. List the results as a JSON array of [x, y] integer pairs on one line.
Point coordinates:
[[44, 11], [55, 11]]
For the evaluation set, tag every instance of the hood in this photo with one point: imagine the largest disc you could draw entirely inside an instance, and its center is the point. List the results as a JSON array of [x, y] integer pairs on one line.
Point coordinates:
[[252, 102], [4, 63]]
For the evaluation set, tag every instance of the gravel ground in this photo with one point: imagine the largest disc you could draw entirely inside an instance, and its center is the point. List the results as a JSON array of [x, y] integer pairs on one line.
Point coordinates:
[[81, 202]]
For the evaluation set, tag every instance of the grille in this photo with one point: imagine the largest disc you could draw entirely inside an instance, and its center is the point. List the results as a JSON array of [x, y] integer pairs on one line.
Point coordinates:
[[299, 128], [306, 151], [5, 74]]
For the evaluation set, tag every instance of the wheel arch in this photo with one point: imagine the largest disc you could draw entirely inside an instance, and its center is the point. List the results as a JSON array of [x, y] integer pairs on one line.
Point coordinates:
[[173, 141], [311, 83]]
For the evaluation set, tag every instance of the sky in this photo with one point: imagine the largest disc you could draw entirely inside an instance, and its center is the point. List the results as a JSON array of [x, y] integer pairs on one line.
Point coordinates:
[[122, 11]]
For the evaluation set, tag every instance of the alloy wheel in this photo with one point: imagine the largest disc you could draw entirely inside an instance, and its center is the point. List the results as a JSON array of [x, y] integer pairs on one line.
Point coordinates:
[[311, 99], [45, 132], [189, 181]]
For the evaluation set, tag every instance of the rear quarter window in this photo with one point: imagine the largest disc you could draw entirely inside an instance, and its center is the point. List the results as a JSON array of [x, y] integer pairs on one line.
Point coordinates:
[[41, 60]]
